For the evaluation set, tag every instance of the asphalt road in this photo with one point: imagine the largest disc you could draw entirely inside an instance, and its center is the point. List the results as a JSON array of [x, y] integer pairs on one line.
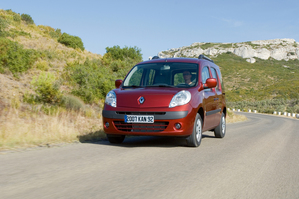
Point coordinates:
[[258, 158]]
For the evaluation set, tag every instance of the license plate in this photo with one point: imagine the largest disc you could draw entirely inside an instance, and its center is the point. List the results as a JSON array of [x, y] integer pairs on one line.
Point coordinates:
[[139, 119]]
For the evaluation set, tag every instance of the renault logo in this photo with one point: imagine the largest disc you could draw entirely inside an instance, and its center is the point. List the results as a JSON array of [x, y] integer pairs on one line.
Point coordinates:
[[141, 100]]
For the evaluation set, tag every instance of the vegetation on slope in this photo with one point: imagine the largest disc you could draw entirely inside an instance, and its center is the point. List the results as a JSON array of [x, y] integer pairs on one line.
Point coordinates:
[[51, 87], [266, 85]]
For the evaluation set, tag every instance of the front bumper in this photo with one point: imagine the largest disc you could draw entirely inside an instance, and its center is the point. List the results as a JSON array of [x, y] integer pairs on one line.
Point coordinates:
[[164, 124]]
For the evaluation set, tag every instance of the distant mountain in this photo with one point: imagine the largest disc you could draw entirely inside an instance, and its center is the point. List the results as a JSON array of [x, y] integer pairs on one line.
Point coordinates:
[[278, 49], [252, 71]]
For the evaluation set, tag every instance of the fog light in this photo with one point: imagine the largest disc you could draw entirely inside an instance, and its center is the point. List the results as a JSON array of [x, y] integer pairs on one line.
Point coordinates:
[[107, 124], [177, 126]]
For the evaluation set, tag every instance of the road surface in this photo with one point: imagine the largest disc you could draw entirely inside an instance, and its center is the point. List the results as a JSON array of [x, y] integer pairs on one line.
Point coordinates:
[[258, 158]]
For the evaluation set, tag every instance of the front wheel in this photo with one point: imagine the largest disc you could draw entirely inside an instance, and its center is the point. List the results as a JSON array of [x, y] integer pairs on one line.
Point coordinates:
[[194, 139], [220, 130], [116, 139]]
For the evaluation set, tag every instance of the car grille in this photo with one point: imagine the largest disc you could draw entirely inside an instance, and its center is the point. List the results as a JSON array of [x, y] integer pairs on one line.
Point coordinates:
[[140, 113], [129, 127]]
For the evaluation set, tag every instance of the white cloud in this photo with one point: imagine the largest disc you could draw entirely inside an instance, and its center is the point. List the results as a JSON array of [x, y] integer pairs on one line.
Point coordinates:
[[232, 22]]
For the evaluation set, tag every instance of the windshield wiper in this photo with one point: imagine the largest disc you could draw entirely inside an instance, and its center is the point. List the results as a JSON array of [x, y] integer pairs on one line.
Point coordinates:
[[161, 85], [133, 86]]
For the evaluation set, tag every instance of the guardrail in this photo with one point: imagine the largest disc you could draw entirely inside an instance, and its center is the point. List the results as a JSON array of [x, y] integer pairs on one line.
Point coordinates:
[[274, 113]]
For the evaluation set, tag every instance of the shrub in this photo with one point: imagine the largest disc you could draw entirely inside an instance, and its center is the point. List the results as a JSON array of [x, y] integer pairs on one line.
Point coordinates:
[[71, 41], [27, 18], [3, 25], [55, 34], [91, 81], [14, 57], [46, 88], [118, 53], [50, 31], [42, 65], [17, 18], [72, 103]]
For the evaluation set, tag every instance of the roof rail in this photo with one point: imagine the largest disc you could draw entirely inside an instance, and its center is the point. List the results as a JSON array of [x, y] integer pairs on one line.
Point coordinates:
[[155, 57], [205, 57]]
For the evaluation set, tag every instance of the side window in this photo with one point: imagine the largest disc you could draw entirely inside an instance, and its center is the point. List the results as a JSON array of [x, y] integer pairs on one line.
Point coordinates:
[[220, 77], [214, 74], [205, 74]]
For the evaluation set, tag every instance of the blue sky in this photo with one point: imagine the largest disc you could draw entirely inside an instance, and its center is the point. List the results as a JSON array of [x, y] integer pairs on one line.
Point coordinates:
[[158, 25]]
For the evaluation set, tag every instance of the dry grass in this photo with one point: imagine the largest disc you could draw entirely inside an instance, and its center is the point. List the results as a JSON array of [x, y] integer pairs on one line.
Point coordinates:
[[26, 129], [232, 117], [22, 128]]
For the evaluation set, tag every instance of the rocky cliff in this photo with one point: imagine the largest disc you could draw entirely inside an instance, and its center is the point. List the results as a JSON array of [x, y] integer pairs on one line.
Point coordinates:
[[278, 49]]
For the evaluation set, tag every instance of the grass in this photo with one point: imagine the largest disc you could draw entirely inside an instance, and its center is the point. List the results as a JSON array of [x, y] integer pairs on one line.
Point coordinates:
[[21, 129], [231, 117]]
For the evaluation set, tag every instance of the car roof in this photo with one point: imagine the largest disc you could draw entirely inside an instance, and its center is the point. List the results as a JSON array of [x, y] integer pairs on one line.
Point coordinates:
[[178, 59]]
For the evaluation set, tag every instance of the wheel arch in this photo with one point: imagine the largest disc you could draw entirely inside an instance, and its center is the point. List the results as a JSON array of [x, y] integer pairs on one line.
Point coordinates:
[[201, 113], [224, 111]]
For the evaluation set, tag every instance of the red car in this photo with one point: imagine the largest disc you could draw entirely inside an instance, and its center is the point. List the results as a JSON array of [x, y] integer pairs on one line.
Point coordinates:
[[180, 97]]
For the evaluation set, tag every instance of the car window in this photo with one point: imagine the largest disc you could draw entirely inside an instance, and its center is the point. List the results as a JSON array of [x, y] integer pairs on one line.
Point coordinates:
[[163, 75], [205, 74], [214, 74], [220, 77]]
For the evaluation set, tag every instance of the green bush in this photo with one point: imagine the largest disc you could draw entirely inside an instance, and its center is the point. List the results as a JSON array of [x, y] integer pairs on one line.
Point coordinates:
[[118, 53], [55, 34], [71, 41], [46, 88], [71, 102], [27, 18], [15, 58], [3, 25], [17, 18], [91, 81]]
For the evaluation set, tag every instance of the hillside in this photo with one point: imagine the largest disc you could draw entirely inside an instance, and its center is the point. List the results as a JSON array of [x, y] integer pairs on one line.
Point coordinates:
[[262, 75], [51, 88]]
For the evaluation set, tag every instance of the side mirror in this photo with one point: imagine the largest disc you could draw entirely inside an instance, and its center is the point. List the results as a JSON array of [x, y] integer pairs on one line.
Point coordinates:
[[210, 83], [118, 82]]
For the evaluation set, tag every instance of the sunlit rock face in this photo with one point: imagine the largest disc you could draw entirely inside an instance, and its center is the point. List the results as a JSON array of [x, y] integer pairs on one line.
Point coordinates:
[[278, 49]]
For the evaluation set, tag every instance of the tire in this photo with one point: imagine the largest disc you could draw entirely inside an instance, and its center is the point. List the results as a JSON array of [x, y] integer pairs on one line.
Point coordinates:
[[220, 130], [116, 139], [194, 139]]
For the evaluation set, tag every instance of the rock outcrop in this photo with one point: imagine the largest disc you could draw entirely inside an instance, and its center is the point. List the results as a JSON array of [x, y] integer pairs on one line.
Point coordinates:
[[279, 49]]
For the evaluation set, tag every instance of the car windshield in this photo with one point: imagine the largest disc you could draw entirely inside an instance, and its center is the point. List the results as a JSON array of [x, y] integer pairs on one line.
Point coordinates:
[[174, 74]]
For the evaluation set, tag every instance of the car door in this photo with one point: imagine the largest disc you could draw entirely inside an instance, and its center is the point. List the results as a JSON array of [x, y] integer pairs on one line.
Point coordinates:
[[208, 101]]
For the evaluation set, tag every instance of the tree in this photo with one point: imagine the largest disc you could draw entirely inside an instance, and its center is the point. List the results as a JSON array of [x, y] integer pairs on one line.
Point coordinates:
[[118, 53], [27, 18]]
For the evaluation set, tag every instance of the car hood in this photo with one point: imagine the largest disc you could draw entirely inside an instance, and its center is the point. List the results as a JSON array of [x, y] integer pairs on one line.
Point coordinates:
[[153, 97]]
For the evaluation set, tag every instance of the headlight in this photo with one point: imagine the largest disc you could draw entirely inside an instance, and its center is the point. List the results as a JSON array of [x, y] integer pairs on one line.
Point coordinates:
[[181, 98], [111, 99]]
